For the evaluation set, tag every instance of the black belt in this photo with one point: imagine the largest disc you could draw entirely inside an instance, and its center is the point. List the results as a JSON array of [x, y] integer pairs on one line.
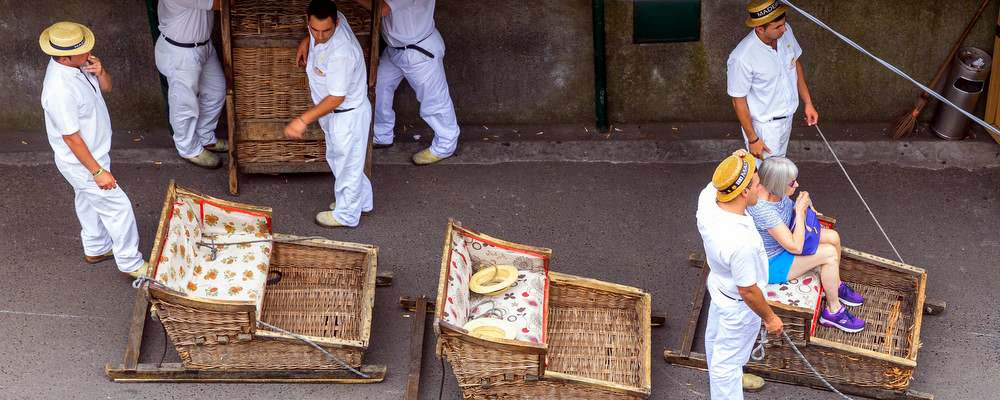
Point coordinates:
[[186, 45], [779, 118], [728, 296], [343, 110], [417, 48]]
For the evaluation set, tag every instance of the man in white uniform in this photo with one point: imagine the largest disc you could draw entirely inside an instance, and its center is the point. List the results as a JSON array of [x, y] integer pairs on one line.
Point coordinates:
[[415, 52], [766, 80], [338, 85], [79, 131], [196, 84], [738, 271]]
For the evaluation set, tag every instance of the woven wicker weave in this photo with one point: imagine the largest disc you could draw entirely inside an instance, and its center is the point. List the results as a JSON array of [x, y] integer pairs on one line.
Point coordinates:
[[326, 292], [882, 356], [268, 89], [598, 343]]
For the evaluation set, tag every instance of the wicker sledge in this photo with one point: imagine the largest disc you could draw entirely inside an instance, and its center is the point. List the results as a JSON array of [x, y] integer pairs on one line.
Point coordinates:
[[267, 89], [578, 338], [877, 362], [219, 281]]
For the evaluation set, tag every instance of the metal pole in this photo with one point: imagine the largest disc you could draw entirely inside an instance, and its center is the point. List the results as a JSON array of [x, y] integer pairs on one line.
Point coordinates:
[[600, 68]]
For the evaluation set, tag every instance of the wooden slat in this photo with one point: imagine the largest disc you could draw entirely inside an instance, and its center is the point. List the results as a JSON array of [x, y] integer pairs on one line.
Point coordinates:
[[416, 350], [373, 59], [283, 167], [595, 284], [856, 351], [993, 95], [515, 346], [139, 309], [697, 303], [918, 318], [697, 361], [597, 383], [176, 373], [234, 185]]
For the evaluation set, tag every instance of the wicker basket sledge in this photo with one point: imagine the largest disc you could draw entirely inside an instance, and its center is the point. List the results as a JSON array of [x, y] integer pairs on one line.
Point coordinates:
[[594, 341], [267, 89], [210, 308], [878, 362]]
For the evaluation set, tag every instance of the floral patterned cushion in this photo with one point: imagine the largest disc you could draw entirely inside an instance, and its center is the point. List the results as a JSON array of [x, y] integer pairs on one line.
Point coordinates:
[[803, 292], [485, 254], [230, 272], [522, 305], [456, 308]]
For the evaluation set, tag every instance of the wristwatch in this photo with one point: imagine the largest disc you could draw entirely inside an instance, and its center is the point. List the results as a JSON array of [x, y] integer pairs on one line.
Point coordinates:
[[98, 172]]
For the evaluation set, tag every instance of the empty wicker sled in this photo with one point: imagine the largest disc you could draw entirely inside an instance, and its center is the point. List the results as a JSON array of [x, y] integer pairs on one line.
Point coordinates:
[[878, 362], [267, 89], [576, 338], [220, 280]]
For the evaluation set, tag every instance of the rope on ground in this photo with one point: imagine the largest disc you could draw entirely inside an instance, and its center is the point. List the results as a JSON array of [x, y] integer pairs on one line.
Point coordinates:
[[316, 346], [892, 68], [851, 181]]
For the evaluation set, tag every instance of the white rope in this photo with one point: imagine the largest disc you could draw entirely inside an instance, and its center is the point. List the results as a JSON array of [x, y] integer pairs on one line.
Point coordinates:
[[851, 181], [899, 72]]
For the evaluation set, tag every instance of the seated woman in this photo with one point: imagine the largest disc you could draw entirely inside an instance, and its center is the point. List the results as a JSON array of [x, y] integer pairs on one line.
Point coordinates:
[[773, 215]]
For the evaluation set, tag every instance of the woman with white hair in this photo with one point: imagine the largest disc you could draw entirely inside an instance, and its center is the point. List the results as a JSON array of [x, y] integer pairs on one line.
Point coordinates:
[[789, 230]]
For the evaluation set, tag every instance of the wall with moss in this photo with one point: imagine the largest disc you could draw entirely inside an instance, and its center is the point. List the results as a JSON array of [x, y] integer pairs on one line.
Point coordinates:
[[532, 62]]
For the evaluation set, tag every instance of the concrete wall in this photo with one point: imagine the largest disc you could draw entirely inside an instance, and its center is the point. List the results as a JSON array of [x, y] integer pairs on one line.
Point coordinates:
[[532, 62], [123, 43], [687, 81]]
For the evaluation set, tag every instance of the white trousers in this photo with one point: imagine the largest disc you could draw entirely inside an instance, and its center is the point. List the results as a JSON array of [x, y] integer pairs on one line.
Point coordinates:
[[729, 339], [775, 135], [196, 93], [426, 76], [106, 218], [346, 146]]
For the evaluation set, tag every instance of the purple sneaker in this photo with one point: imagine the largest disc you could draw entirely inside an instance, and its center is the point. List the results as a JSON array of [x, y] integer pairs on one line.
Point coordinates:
[[848, 296], [842, 320]]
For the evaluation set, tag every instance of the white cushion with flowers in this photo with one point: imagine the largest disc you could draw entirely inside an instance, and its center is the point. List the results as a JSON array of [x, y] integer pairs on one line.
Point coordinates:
[[803, 292], [522, 305], [456, 307], [237, 271]]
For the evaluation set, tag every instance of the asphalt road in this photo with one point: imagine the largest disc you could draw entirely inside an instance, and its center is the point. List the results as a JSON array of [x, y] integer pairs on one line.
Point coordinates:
[[62, 320]]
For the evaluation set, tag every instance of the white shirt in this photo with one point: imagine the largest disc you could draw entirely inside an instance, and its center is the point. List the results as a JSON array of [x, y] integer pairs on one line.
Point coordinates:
[[186, 21], [73, 103], [765, 76], [409, 22], [337, 67], [733, 249]]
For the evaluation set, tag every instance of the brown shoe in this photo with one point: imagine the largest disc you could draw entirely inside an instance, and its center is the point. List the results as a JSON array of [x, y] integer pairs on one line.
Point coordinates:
[[96, 259]]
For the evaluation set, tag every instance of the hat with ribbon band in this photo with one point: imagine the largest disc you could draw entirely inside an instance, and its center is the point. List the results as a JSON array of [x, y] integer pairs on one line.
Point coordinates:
[[66, 39], [732, 176], [764, 11]]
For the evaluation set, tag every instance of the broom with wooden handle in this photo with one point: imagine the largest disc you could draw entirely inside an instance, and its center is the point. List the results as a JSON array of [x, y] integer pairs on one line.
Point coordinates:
[[904, 123]]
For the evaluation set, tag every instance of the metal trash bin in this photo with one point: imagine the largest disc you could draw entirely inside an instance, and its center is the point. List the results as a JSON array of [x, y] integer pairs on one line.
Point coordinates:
[[966, 83]]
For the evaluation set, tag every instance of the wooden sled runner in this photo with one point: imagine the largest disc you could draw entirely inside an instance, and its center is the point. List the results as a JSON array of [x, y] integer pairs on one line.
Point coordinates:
[[577, 338], [219, 274], [877, 362]]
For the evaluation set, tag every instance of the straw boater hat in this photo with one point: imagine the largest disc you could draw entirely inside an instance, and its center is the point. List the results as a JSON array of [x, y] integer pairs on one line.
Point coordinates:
[[732, 176], [493, 280], [66, 39], [764, 11]]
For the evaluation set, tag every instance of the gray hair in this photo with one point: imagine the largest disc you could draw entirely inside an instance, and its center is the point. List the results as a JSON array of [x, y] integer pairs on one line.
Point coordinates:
[[776, 173]]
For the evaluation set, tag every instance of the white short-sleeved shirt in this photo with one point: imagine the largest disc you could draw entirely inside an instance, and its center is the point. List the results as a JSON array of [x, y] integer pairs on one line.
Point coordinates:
[[765, 76], [733, 249], [73, 102], [337, 67], [409, 22], [186, 21]]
